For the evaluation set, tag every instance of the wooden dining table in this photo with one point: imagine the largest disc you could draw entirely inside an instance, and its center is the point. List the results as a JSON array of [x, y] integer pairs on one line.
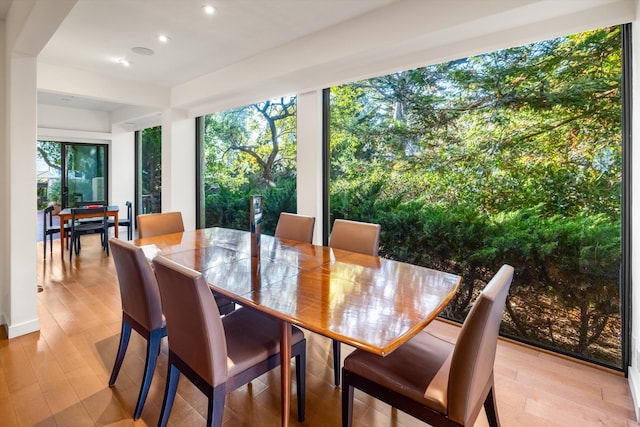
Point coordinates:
[[65, 216], [368, 302]]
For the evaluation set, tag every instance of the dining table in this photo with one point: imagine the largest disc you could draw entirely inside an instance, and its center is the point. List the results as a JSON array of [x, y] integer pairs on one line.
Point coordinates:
[[65, 216], [369, 302]]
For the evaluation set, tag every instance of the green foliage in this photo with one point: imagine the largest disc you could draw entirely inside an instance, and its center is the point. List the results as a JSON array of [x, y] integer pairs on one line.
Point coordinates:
[[508, 157], [250, 150]]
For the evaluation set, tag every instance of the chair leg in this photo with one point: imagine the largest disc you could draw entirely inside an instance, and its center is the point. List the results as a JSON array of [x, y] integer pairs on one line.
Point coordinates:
[[169, 394], [125, 334], [153, 348], [215, 409], [301, 379], [45, 247], [491, 409], [347, 401], [336, 362]]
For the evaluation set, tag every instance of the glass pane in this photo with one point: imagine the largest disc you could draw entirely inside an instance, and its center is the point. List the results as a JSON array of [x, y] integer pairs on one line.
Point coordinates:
[[508, 157], [49, 167], [246, 151], [85, 173], [150, 170]]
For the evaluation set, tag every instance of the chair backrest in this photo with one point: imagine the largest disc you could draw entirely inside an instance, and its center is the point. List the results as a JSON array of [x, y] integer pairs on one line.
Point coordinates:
[[156, 224], [362, 237], [48, 217], [138, 286], [295, 227], [471, 363], [97, 213], [194, 327], [128, 204]]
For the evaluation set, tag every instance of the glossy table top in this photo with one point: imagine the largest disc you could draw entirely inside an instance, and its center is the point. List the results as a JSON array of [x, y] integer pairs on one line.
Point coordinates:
[[368, 302]]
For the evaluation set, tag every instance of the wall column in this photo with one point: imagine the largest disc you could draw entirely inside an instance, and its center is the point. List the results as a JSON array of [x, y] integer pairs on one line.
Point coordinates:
[[178, 165], [309, 162], [21, 314]]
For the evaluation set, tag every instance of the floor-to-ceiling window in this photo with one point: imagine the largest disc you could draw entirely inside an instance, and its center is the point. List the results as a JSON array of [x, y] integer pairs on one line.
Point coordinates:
[[244, 151], [514, 157], [148, 170]]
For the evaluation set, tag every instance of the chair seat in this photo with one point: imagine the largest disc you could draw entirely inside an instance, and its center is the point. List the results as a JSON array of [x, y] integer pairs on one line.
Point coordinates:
[[258, 332], [408, 370]]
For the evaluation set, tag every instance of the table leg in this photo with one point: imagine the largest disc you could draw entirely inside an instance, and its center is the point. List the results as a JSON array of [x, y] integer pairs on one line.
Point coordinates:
[[62, 237], [115, 227], [285, 370]]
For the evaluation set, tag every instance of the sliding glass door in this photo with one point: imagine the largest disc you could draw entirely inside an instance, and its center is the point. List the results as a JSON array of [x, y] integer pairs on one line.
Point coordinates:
[[69, 173], [83, 177]]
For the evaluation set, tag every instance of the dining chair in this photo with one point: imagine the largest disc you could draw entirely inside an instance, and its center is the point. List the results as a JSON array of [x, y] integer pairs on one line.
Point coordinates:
[[440, 383], [155, 224], [217, 354], [49, 229], [295, 227], [98, 224], [141, 311], [355, 236], [125, 222]]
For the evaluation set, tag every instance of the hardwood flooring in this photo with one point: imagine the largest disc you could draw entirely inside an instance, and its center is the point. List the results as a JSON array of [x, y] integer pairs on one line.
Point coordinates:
[[58, 376]]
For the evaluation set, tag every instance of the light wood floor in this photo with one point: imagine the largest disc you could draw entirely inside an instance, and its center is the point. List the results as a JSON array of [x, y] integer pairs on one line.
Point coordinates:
[[58, 376]]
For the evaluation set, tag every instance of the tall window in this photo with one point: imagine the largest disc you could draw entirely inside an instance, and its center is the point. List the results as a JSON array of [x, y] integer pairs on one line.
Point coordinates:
[[149, 170], [508, 157], [245, 151]]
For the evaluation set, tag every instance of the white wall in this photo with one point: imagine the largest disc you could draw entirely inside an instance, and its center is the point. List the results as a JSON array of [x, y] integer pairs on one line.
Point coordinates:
[[309, 159], [122, 170], [179, 165]]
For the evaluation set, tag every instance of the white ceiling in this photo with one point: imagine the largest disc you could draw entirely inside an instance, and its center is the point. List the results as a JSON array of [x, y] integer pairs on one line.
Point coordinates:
[[98, 32], [264, 47]]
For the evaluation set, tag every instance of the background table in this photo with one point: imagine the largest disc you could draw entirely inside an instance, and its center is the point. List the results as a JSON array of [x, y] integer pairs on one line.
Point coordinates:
[[65, 215]]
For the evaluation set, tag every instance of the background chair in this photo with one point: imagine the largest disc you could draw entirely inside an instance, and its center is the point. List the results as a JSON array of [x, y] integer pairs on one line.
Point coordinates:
[[431, 379], [125, 222], [361, 237], [141, 310], [49, 229], [217, 354], [98, 224], [355, 236], [295, 227], [156, 224]]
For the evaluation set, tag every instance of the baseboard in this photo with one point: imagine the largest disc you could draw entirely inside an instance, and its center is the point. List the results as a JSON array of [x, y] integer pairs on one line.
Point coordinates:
[[634, 386], [24, 328]]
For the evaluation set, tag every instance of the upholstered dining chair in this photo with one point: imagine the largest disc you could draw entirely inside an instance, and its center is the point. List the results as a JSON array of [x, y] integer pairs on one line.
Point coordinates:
[[141, 311], [217, 354], [125, 222], [295, 227], [97, 224], [355, 236], [49, 229], [156, 224], [440, 383]]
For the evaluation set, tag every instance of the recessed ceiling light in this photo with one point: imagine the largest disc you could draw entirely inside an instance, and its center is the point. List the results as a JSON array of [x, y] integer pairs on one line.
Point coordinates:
[[208, 9], [163, 38], [142, 51], [124, 62]]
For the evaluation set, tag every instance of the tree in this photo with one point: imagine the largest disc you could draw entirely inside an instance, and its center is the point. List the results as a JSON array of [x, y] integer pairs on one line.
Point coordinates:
[[508, 157]]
